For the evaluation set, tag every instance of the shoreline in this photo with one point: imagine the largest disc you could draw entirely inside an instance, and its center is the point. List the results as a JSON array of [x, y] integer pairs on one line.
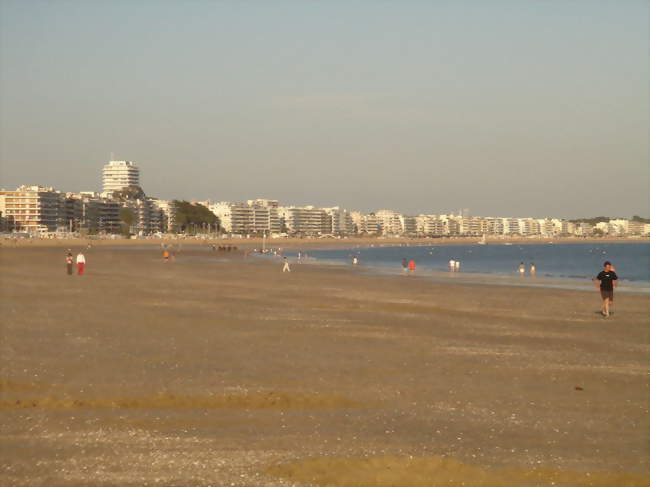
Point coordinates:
[[304, 243], [469, 278]]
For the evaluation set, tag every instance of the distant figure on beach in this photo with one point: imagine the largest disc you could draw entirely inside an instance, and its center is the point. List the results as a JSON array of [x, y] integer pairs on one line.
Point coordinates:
[[355, 261], [286, 267], [69, 261], [452, 265], [606, 281], [522, 269], [412, 266], [81, 263], [165, 255], [533, 269], [457, 266], [405, 265]]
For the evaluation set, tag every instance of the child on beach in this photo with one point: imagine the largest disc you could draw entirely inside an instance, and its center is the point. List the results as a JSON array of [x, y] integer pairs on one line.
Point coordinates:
[[286, 267], [69, 261]]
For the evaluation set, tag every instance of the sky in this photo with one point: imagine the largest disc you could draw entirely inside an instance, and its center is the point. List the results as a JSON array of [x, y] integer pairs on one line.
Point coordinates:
[[507, 108]]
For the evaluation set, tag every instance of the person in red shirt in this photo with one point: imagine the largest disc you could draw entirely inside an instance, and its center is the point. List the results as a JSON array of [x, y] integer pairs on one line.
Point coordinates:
[[412, 266]]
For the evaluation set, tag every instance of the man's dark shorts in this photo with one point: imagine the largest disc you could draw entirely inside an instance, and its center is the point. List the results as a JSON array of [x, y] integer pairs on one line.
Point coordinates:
[[607, 294]]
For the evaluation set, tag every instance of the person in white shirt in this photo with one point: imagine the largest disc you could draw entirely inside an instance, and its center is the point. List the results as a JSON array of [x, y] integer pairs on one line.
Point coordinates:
[[81, 263], [286, 267]]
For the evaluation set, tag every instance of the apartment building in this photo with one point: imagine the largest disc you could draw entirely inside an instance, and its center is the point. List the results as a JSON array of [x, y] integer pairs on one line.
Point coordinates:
[[247, 219], [472, 225], [33, 209], [339, 221], [169, 212], [306, 220], [149, 218], [364, 224], [117, 175], [408, 225], [429, 225], [389, 222]]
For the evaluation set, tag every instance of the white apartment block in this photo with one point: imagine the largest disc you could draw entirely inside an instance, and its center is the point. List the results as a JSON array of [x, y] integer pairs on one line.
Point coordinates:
[[33, 209], [429, 225], [339, 221], [169, 211], [473, 225], [306, 220], [364, 224], [389, 222], [246, 219], [117, 175]]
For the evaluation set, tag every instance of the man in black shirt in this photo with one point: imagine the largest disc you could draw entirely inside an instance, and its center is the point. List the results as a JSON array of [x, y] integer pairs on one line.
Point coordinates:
[[608, 281]]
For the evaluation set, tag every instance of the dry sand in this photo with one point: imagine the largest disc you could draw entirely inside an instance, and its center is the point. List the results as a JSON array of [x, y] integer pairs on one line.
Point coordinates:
[[219, 370]]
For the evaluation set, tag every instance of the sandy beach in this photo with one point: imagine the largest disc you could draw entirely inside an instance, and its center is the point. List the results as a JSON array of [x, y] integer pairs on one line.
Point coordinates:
[[220, 370]]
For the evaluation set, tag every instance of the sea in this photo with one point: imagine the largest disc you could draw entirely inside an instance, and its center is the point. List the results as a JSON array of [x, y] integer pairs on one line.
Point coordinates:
[[565, 265]]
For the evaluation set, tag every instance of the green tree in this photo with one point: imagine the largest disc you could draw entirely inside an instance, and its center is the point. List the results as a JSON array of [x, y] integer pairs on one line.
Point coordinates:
[[128, 218], [190, 218]]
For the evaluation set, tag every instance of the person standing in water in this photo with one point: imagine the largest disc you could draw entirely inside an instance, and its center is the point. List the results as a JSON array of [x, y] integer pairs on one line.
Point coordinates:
[[405, 265], [412, 266], [69, 261], [533, 269], [522, 269], [606, 281]]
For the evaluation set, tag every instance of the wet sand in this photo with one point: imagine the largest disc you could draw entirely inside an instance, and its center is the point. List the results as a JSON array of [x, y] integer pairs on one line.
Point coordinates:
[[219, 370]]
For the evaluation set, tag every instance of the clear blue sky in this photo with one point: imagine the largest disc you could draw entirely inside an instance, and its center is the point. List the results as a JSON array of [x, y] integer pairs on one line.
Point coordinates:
[[504, 107]]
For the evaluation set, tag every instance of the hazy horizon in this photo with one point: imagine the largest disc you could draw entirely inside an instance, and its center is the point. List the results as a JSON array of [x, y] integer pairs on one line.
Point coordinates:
[[506, 108]]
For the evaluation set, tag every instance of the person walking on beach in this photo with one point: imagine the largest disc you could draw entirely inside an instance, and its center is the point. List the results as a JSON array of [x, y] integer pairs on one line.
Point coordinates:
[[533, 269], [69, 261], [452, 265], [286, 267], [412, 266], [606, 281], [165, 255], [81, 263], [522, 269], [405, 265]]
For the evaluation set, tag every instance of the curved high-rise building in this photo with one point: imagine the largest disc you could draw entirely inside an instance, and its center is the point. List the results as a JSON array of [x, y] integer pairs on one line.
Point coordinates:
[[117, 175]]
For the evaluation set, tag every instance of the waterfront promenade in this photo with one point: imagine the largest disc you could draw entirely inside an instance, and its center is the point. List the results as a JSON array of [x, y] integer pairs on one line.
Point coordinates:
[[219, 370]]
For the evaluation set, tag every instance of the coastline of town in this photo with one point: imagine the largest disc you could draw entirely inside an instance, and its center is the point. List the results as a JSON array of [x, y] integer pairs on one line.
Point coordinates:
[[123, 208]]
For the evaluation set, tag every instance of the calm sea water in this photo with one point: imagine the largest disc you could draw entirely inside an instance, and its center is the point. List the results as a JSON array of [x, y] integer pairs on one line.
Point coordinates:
[[569, 261]]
